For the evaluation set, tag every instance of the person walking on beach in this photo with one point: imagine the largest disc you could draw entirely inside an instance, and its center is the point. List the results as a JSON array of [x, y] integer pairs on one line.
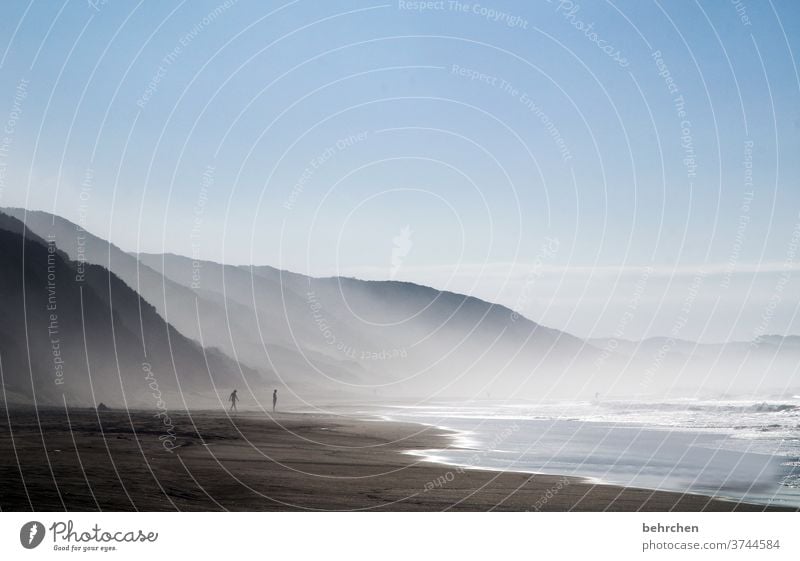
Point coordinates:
[[233, 399], [274, 399]]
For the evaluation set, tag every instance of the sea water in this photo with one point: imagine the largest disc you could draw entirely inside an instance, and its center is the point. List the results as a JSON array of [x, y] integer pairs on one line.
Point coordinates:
[[736, 449]]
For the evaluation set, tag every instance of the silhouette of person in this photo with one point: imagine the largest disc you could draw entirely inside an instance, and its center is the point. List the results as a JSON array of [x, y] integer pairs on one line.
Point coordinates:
[[274, 399], [233, 399]]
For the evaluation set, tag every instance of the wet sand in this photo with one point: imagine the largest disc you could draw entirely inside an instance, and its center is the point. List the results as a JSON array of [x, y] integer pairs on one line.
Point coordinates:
[[118, 461]]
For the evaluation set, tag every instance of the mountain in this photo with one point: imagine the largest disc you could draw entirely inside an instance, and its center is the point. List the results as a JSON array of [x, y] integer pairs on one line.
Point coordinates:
[[337, 337], [75, 332], [405, 339], [227, 324]]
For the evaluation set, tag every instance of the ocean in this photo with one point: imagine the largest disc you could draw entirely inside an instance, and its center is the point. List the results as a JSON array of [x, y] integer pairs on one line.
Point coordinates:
[[740, 450]]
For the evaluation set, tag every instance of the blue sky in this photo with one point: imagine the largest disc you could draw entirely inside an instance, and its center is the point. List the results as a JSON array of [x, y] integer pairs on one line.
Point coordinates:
[[308, 135]]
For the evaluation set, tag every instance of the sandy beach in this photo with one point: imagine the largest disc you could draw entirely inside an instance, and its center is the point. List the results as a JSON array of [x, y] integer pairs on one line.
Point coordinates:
[[121, 461]]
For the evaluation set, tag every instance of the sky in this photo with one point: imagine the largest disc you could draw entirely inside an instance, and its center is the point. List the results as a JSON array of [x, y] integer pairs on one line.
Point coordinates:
[[623, 169]]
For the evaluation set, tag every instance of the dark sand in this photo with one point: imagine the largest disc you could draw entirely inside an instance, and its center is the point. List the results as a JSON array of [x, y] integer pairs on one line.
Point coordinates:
[[115, 461]]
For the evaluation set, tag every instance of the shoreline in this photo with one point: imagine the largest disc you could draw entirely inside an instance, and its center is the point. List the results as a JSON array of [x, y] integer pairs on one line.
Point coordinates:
[[468, 451], [424, 456], [113, 460]]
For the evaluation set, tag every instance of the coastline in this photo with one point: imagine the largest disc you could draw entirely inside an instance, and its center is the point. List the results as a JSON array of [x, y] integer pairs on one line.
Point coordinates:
[[471, 448], [114, 460]]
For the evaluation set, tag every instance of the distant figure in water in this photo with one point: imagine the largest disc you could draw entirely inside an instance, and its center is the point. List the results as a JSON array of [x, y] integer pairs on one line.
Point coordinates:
[[233, 399], [274, 399]]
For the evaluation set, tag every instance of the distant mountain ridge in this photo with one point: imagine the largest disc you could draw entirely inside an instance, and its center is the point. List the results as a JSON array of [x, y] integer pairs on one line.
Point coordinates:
[[409, 337], [334, 335], [345, 337]]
